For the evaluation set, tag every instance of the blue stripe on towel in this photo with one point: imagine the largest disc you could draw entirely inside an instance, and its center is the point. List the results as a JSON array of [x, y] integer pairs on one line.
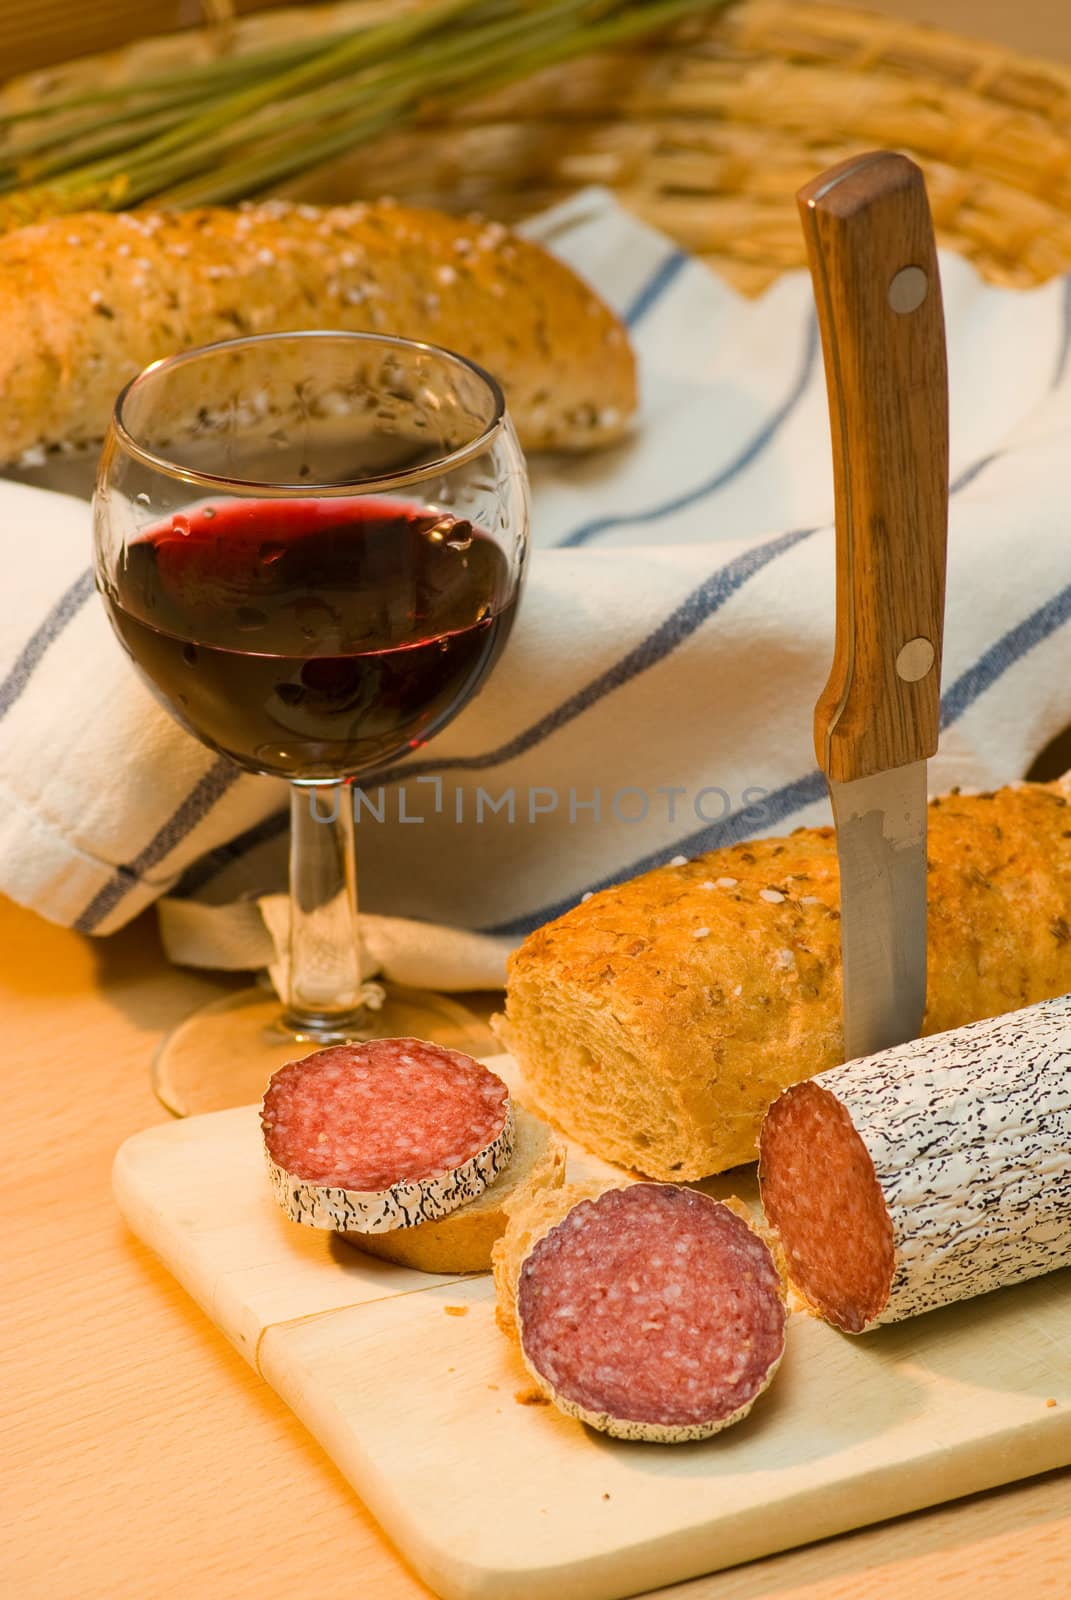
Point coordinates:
[[755, 446], [220, 777], [688, 617], [209, 866], [1009, 649], [707, 598], [775, 808], [975, 470], [66, 608], [666, 273]]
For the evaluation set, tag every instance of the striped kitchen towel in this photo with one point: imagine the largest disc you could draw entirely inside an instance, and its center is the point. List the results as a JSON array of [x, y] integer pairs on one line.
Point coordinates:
[[657, 695]]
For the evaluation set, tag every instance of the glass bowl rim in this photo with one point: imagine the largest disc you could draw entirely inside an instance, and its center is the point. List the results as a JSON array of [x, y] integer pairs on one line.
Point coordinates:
[[266, 489]]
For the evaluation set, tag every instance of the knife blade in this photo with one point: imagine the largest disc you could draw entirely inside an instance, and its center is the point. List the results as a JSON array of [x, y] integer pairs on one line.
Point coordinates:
[[873, 264]]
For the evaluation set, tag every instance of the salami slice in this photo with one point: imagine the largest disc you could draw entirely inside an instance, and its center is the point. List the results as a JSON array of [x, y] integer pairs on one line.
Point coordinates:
[[928, 1173], [651, 1312], [389, 1134]]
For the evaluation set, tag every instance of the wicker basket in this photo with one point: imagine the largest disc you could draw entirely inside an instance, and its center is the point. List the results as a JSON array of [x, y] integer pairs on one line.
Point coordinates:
[[708, 132]]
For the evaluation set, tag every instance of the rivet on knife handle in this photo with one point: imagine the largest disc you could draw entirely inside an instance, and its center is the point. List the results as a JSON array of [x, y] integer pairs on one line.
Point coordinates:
[[870, 244]]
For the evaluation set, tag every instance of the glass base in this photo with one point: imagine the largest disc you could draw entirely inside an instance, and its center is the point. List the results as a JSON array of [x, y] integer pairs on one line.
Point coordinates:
[[225, 1053]]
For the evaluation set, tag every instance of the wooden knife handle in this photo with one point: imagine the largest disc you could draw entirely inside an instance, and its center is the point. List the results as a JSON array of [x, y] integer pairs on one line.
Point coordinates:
[[874, 265]]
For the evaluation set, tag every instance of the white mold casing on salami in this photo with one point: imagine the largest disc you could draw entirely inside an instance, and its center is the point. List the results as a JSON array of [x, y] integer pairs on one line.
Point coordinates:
[[969, 1133], [405, 1205]]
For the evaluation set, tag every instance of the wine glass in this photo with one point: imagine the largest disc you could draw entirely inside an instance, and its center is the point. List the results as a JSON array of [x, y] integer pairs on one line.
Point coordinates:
[[311, 547]]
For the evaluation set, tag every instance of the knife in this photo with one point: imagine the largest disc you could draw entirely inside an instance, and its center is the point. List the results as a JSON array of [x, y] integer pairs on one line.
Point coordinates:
[[874, 268]]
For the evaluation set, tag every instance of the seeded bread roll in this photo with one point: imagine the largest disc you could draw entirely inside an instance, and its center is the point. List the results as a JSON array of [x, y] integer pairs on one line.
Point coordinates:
[[87, 300], [656, 1022], [463, 1241]]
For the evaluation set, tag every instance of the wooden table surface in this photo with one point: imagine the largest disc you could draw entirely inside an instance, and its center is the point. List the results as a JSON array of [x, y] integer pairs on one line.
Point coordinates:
[[149, 1460]]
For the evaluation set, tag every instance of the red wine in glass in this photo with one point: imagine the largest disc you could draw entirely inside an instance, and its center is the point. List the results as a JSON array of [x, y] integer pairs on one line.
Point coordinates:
[[309, 638], [311, 545]]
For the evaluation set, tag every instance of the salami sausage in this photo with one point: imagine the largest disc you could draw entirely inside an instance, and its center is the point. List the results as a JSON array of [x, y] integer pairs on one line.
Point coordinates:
[[651, 1312], [389, 1134], [928, 1173]]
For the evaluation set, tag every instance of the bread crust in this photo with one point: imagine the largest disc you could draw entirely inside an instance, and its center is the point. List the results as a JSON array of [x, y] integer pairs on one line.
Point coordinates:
[[89, 299], [657, 1021]]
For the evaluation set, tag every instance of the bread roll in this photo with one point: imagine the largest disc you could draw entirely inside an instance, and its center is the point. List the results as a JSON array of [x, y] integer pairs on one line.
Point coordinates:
[[87, 300], [657, 1021], [463, 1241]]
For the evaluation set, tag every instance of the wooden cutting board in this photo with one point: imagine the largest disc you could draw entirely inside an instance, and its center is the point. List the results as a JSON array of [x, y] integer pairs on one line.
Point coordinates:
[[407, 1383]]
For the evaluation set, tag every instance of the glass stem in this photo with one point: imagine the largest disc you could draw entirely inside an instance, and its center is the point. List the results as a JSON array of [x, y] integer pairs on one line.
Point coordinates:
[[324, 994]]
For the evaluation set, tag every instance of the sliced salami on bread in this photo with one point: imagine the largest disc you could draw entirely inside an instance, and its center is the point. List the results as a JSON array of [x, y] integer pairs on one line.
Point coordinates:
[[390, 1134], [650, 1312]]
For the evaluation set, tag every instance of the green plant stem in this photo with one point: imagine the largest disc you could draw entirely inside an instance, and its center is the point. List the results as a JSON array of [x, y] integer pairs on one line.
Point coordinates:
[[245, 177], [240, 180], [615, 31], [355, 50], [397, 79], [272, 114], [349, 55], [36, 169], [190, 82]]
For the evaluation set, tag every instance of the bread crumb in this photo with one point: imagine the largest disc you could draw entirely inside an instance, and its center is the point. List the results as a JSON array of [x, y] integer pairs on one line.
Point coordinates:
[[493, 1386], [456, 1311], [1050, 1402], [606, 1497], [531, 1397]]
